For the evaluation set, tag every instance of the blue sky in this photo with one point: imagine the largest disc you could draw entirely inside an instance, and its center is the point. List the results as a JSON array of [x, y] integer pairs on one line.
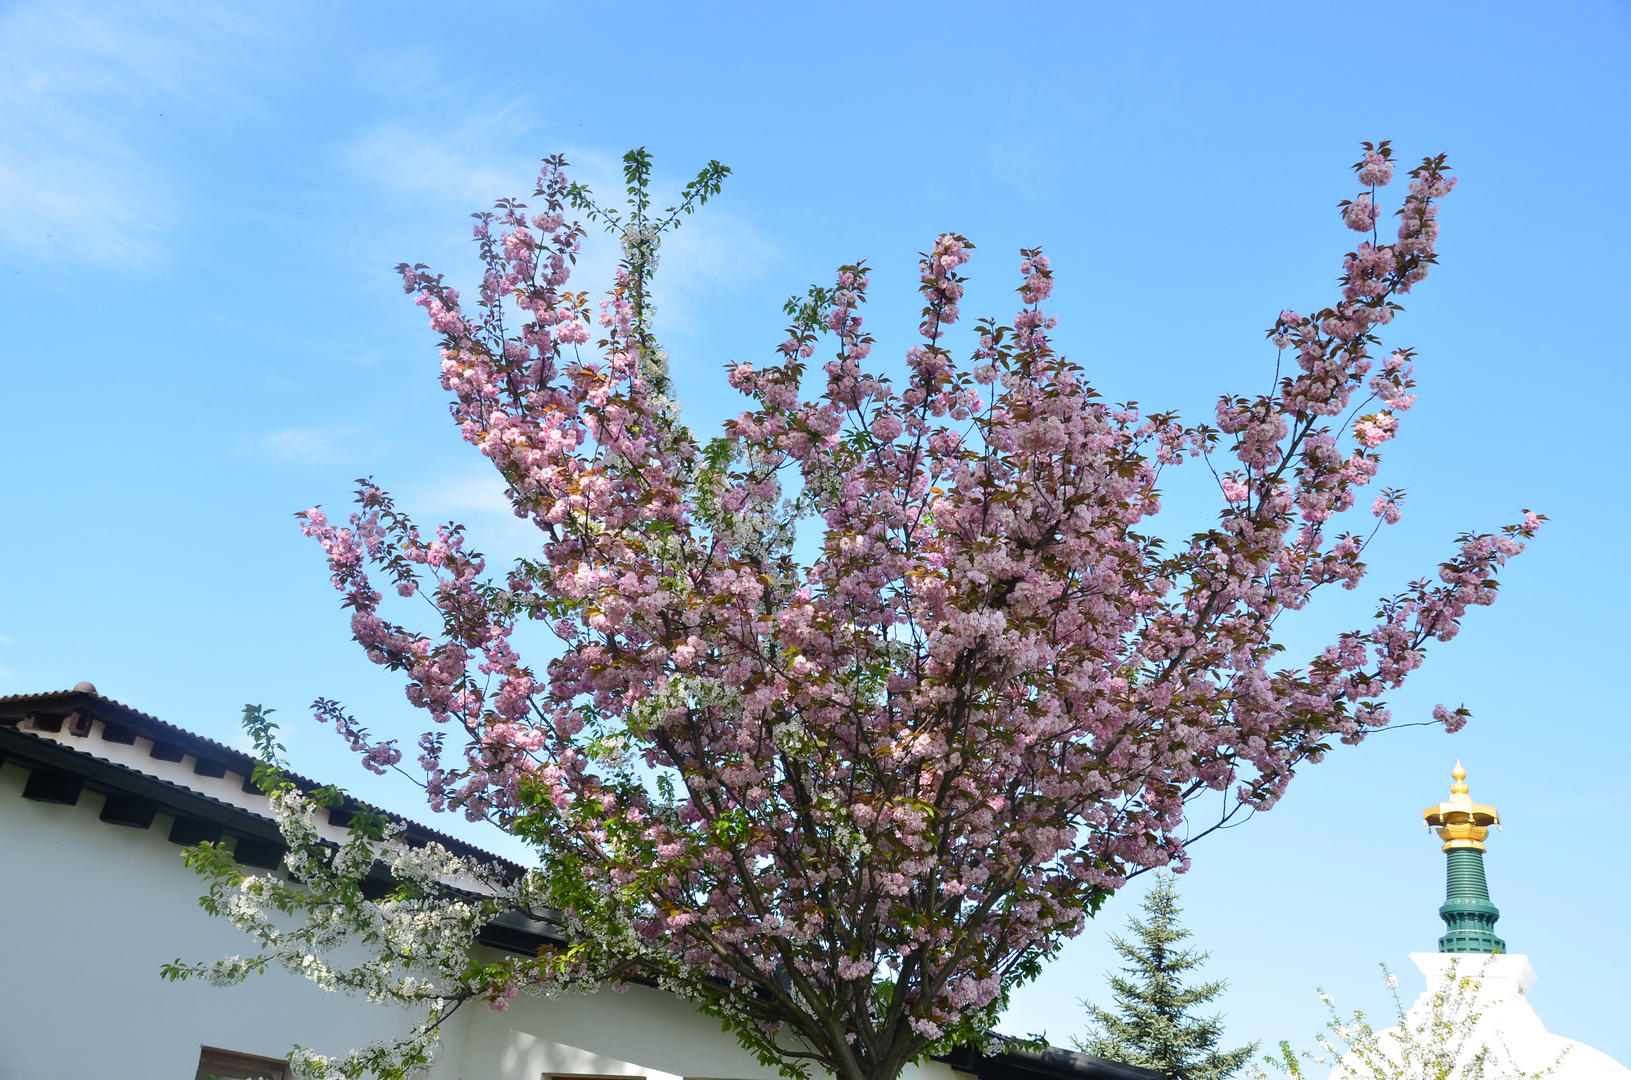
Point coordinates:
[[202, 205]]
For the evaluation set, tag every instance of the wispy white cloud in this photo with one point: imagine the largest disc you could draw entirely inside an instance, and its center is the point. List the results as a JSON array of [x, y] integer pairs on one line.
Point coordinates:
[[310, 445], [456, 168], [439, 172], [432, 169], [475, 497], [714, 250], [475, 492], [83, 173], [304, 445]]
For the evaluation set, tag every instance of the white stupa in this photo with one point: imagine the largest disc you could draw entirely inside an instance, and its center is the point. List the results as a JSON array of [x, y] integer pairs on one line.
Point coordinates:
[[1475, 998]]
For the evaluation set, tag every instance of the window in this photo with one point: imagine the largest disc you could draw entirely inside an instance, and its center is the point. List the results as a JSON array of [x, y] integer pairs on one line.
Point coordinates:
[[217, 1064]]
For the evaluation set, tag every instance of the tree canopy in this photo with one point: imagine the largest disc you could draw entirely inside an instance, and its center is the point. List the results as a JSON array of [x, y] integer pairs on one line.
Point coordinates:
[[845, 802]]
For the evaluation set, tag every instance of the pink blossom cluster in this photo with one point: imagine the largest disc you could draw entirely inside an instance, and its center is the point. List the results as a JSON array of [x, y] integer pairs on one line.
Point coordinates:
[[924, 754]]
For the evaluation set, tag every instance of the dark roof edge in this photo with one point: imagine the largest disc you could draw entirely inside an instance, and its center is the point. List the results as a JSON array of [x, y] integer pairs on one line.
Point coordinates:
[[36, 752], [511, 933], [14, 708], [1052, 1063]]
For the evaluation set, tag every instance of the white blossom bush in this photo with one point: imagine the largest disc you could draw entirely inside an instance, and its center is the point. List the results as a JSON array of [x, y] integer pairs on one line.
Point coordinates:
[[1445, 1040], [415, 943]]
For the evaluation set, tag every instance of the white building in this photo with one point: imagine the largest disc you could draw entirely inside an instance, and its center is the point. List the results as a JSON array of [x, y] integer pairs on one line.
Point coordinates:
[[95, 799]]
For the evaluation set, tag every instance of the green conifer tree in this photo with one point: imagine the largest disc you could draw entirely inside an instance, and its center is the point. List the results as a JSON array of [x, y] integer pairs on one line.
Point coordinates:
[[1153, 1025]]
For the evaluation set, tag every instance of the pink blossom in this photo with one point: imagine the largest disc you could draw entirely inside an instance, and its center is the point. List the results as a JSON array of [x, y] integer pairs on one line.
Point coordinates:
[[850, 968], [1375, 429], [1453, 721], [1388, 508], [920, 684], [886, 428], [1375, 170], [1360, 214]]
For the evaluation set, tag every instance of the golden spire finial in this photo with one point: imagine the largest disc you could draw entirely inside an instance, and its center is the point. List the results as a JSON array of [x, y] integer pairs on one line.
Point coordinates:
[[1461, 823]]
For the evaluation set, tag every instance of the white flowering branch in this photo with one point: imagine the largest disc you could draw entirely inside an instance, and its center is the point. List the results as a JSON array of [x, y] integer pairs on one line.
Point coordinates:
[[1443, 1041], [419, 941]]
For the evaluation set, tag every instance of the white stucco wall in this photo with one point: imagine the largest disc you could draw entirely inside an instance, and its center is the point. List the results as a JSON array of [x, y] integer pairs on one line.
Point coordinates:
[[641, 1032], [90, 911]]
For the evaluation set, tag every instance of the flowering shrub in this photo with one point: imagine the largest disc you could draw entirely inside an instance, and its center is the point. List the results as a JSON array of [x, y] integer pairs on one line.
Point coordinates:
[[417, 936], [846, 804], [1443, 1038]]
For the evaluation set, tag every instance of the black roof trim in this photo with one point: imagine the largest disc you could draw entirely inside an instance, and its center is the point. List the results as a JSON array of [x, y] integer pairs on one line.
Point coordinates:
[[36, 752], [1050, 1064], [15, 706], [63, 703], [514, 932]]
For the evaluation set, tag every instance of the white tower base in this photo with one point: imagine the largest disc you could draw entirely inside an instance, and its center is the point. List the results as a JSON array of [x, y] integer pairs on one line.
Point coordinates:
[[1519, 1044]]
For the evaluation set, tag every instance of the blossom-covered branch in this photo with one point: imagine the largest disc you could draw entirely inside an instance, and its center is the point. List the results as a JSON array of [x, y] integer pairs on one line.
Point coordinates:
[[847, 802]]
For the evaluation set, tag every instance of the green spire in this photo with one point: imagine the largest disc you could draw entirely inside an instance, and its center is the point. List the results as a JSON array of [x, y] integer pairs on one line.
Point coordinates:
[[1463, 825]]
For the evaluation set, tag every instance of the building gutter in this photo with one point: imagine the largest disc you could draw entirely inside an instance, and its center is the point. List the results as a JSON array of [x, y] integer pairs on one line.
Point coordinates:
[[1052, 1063]]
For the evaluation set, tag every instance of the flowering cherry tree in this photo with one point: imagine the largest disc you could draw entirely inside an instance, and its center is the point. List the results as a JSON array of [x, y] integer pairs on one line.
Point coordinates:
[[845, 801]]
